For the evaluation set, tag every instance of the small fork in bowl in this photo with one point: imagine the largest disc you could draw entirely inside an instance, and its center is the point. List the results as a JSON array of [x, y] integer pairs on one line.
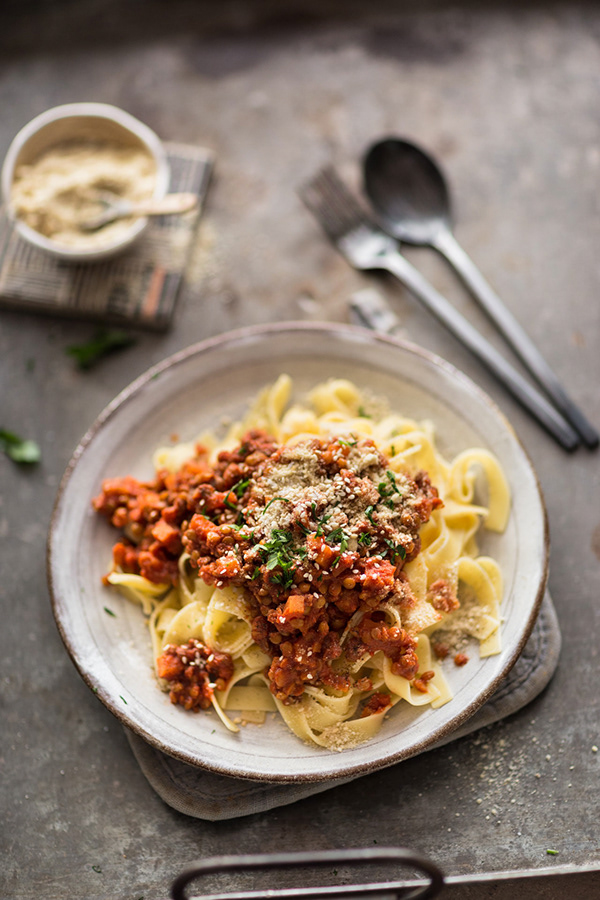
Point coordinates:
[[367, 247]]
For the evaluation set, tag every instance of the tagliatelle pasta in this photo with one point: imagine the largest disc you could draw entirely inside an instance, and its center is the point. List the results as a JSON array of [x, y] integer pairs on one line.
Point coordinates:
[[319, 562]]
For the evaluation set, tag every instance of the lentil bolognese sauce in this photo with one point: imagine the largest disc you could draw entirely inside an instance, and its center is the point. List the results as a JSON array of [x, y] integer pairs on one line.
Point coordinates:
[[307, 544]]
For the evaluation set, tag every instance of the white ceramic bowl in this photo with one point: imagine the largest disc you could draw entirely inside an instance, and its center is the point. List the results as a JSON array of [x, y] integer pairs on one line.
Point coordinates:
[[81, 121], [194, 390]]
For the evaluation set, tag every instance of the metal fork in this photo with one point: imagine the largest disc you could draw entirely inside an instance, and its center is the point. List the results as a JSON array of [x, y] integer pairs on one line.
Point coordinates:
[[367, 247]]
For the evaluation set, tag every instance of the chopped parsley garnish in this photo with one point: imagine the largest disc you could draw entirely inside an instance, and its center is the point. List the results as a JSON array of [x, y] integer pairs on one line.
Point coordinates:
[[17, 449], [396, 549], [239, 488], [102, 343], [552, 852], [388, 488], [321, 522], [369, 514], [212, 517], [347, 443], [284, 499], [109, 612], [363, 414], [278, 552], [272, 561], [282, 578], [338, 536]]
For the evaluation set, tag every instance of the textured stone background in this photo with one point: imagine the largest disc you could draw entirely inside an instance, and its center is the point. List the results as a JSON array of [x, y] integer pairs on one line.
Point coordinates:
[[507, 96]]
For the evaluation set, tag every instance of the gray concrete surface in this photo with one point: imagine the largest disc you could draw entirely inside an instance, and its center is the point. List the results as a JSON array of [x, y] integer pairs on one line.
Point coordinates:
[[507, 95]]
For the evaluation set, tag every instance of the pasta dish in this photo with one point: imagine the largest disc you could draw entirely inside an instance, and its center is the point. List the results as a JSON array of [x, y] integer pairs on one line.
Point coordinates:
[[319, 562]]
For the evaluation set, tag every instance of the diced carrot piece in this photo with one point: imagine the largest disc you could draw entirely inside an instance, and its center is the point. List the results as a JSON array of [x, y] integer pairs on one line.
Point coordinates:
[[294, 606]]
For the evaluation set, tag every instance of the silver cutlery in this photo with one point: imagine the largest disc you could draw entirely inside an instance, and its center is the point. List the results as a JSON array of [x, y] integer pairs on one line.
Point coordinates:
[[113, 207], [410, 198], [367, 247], [369, 309]]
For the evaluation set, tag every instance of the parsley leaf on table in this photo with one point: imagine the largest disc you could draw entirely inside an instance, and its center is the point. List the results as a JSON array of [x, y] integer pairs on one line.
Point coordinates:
[[19, 450], [102, 343]]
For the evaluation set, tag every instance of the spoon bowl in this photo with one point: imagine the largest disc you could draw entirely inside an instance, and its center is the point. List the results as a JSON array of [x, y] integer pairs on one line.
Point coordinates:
[[407, 190], [411, 201]]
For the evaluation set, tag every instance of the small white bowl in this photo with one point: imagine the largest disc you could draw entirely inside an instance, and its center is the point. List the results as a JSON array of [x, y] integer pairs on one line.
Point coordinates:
[[84, 121]]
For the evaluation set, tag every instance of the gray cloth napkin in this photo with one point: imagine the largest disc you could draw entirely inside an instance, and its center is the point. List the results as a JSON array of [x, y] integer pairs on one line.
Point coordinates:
[[204, 795]]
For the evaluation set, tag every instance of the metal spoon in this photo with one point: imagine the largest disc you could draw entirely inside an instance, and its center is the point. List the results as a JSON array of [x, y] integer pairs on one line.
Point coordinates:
[[409, 195], [114, 207]]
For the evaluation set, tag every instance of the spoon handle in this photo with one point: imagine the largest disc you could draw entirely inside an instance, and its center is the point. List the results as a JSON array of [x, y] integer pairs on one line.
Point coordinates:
[[169, 205], [514, 334], [461, 328]]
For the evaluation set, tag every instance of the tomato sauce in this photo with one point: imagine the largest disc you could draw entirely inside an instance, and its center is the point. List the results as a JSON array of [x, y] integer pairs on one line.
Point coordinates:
[[316, 533]]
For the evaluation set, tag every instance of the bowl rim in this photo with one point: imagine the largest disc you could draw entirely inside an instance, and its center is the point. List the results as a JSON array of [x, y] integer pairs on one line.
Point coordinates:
[[351, 770], [83, 110]]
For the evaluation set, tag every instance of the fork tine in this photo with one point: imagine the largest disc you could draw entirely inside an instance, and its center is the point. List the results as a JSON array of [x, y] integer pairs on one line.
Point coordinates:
[[345, 201], [333, 204]]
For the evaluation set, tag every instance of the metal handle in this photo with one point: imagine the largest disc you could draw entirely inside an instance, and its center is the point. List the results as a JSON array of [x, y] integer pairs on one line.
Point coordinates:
[[514, 334], [169, 205], [462, 329], [369, 309], [383, 890]]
